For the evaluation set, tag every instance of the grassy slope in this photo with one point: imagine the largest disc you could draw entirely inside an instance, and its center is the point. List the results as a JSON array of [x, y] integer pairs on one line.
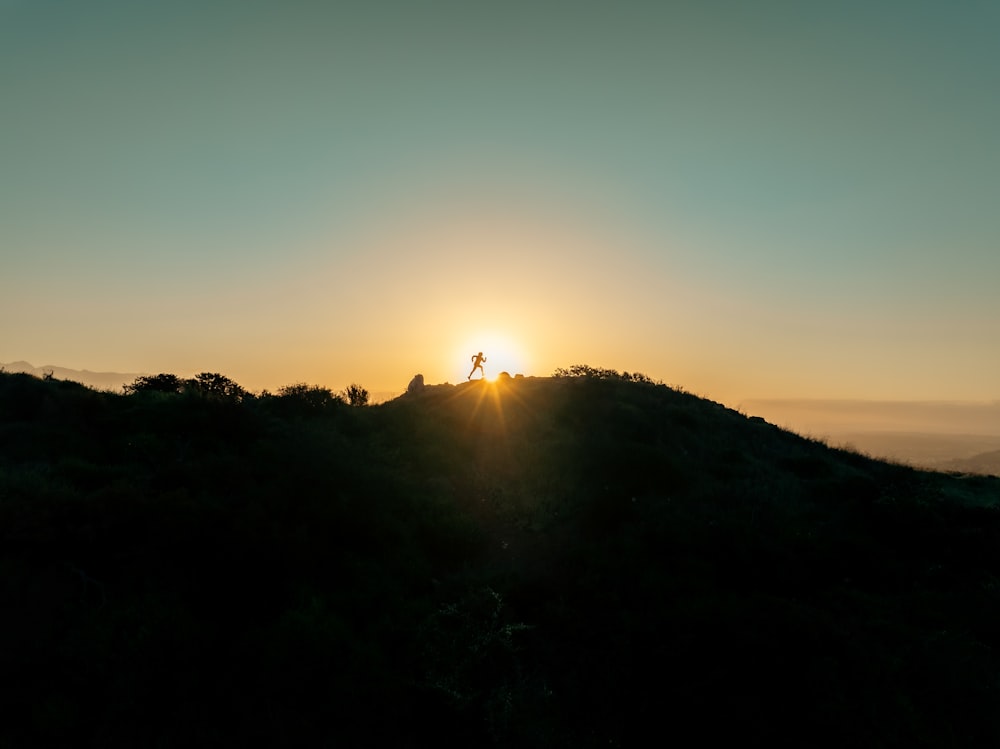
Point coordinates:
[[542, 562]]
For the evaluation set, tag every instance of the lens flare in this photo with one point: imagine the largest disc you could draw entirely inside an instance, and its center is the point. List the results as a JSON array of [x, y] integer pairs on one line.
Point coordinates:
[[500, 354]]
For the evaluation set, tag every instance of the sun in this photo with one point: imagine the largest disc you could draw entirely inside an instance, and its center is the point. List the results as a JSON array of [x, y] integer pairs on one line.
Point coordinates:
[[500, 351]]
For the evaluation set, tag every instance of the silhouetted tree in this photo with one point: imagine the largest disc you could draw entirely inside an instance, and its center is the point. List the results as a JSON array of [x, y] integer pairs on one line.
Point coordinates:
[[216, 385], [309, 397], [160, 383], [356, 395]]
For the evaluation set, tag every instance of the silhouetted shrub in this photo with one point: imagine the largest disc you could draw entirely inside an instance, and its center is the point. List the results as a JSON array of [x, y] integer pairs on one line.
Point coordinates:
[[215, 385], [637, 377], [306, 398], [585, 370], [472, 659], [601, 373], [356, 395], [160, 383]]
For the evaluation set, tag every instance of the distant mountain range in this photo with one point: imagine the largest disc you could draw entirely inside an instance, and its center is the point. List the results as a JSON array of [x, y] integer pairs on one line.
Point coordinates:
[[96, 380], [984, 463], [826, 417], [963, 453], [943, 436]]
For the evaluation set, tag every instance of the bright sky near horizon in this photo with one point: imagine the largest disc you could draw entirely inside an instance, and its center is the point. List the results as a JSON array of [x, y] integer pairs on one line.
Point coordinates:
[[751, 200]]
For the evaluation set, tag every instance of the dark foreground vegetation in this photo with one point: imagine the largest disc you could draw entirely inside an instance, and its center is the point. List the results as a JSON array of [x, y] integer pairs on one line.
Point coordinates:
[[584, 560]]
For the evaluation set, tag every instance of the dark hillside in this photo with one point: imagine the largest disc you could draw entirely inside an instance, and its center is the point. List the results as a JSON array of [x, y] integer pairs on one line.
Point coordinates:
[[568, 561]]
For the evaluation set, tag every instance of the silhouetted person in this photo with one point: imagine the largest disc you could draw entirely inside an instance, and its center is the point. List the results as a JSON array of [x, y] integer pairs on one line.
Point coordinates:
[[477, 363]]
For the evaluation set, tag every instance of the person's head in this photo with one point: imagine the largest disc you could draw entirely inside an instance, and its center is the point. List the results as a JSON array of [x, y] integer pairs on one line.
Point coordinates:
[[480, 353]]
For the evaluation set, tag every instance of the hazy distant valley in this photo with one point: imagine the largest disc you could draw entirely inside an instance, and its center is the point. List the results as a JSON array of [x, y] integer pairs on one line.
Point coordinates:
[[962, 437], [964, 453]]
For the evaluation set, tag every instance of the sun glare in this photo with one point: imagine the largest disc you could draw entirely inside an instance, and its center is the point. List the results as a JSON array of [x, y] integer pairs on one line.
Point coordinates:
[[500, 354]]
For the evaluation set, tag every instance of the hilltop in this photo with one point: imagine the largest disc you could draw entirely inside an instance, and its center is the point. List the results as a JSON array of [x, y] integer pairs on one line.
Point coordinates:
[[566, 561]]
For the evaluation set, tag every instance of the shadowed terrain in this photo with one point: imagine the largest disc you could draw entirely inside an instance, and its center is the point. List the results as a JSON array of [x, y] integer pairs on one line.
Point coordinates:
[[582, 560]]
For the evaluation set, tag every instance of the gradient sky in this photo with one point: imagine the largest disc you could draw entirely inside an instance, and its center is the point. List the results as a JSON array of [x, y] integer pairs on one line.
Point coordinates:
[[748, 199]]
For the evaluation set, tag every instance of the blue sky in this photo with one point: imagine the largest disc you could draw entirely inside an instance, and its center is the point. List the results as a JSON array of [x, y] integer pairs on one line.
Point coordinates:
[[766, 199]]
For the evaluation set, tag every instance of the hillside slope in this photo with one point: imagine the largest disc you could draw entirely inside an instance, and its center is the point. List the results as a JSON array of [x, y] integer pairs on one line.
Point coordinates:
[[571, 561]]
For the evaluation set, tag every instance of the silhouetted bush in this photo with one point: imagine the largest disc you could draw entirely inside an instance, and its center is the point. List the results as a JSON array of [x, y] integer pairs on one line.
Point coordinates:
[[585, 370], [304, 399], [601, 373], [209, 384], [160, 383], [215, 385], [356, 395]]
